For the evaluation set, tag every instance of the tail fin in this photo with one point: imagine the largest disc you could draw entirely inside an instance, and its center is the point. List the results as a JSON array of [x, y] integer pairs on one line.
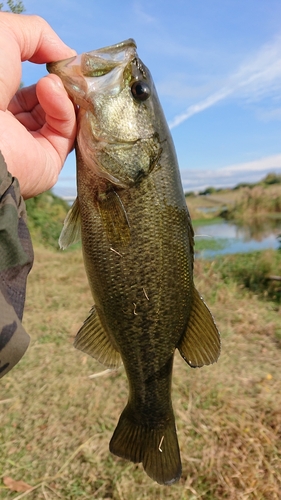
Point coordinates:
[[156, 448]]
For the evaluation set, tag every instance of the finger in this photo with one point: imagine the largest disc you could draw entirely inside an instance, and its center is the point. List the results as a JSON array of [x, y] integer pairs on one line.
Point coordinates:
[[24, 100], [25, 38], [32, 120], [43, 150], [60, 126], [26, 108], [37, 41]]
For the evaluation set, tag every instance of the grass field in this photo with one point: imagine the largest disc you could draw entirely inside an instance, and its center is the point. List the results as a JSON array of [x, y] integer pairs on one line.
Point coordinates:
[[56, 421]]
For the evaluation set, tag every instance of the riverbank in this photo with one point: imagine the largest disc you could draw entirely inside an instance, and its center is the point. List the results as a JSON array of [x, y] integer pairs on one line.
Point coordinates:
[[236, 220], [243, 204], [57, 419]]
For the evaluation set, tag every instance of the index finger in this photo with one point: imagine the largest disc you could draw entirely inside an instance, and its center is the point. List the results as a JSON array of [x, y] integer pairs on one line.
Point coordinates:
[[25, 38]]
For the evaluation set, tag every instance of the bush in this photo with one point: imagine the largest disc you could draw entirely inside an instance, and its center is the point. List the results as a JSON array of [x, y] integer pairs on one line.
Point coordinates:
[[46, 213], [272, 178], [256, 202]]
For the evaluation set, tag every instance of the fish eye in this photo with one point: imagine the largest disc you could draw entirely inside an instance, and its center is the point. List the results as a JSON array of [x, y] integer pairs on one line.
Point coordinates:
[[140, 90]]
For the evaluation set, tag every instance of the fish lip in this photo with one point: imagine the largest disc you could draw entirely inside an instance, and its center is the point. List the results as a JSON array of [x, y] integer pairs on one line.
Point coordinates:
[[130, 42], [119, 52], [96, 70], [57, 67]]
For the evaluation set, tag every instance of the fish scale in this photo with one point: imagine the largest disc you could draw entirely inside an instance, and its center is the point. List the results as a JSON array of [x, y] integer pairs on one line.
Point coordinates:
[[137, 242]]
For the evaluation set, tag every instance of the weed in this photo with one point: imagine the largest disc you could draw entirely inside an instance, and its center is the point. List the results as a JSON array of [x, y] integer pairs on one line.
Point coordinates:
[[255, 271], [257, 203]]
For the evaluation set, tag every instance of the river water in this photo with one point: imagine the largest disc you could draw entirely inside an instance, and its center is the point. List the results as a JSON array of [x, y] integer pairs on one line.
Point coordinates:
[[227, 237]]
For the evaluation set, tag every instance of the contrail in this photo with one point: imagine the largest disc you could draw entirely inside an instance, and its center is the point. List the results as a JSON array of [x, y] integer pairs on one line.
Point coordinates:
[[200, 106], [259, 77]]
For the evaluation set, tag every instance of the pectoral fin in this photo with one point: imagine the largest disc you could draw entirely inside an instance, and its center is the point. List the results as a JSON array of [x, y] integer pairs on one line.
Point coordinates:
[[114, 218], [71, 231], [93, 340], [200, 345]]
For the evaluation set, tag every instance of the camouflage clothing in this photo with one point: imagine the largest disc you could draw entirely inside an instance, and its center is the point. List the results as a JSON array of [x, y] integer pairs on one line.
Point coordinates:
[[16, 258]]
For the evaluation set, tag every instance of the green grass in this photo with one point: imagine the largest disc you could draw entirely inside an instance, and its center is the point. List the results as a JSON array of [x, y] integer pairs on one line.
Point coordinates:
[[202, 243], [253, 271], [206, 222], [56, 422]]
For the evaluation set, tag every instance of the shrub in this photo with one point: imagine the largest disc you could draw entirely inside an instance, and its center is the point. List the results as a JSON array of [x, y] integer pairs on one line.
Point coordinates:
[[46, 213]]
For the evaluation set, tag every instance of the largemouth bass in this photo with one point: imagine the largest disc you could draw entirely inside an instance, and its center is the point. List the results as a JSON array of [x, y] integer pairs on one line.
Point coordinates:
[[137, 242]]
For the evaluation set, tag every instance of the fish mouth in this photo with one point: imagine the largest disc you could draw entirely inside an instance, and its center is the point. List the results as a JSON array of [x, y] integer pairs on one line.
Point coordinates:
[[96, 70], [96, 62], [116, 52]]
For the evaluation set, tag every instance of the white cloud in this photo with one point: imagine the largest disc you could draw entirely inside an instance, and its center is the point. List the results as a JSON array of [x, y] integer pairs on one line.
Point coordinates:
[[229, 176], [256, 78], [198, 180]]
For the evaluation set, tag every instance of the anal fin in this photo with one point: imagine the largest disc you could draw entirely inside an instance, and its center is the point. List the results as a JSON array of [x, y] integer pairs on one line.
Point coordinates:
[[93, 340], [200, 345]]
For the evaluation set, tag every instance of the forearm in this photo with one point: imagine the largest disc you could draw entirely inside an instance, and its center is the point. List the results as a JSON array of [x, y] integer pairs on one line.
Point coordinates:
[[16, 258]]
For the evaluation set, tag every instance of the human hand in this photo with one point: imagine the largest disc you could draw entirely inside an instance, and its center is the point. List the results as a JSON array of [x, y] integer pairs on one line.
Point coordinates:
[[37, 123]]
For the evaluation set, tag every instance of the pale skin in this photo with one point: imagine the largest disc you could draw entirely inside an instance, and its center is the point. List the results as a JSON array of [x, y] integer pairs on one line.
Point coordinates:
[[37, 123]]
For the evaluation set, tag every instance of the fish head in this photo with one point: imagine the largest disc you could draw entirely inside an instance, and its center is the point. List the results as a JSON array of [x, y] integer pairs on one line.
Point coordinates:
[[119, 113]]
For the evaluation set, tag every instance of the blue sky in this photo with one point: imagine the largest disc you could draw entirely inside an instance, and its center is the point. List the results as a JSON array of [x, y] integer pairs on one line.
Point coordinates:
[[217, 68]]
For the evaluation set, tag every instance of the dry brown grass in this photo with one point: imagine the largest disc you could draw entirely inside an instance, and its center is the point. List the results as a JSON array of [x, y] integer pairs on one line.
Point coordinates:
[[257, 202], [205, 207], [56, 422], [243, 203]]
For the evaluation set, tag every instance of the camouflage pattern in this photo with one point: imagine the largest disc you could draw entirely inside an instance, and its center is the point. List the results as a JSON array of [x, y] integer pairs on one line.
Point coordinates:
[[16, 258]]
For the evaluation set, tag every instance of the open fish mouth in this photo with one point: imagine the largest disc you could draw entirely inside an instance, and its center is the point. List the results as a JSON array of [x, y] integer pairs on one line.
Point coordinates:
[[93, 63], [98, 69]]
